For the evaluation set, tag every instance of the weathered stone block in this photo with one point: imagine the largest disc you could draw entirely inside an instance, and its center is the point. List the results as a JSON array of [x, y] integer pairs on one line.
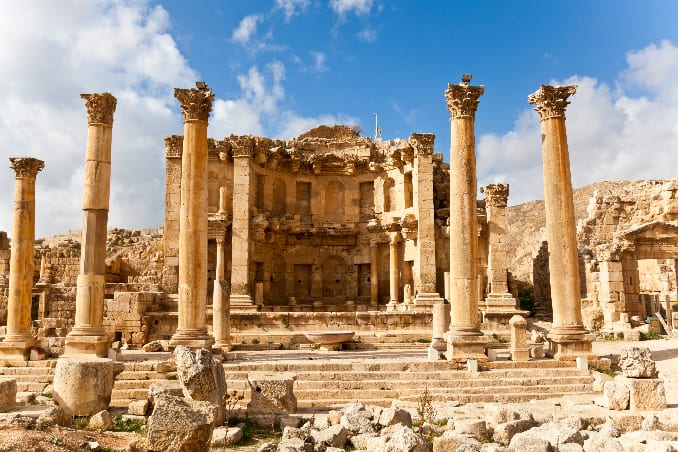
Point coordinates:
[[83, 386], [180, 425], [271, 393], [7, 394], [644, 394]]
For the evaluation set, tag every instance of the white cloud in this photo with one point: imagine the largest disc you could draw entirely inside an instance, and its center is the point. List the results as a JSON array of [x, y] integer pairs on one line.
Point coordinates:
[[246, 29], [628, 132], [292, 7], [319, 60], [359, 7], [50, 53], [367, 35]]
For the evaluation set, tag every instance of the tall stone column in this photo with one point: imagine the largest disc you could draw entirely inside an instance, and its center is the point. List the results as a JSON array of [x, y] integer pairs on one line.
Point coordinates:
[[374, 273], [88, 335], [241, 292], [465, 338], [19, 339], [221, 324], [196, 105], [425, 273], [500, 306], [568, 338], [394, 266]]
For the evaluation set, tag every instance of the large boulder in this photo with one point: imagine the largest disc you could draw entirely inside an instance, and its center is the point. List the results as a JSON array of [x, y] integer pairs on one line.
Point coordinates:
[[7, 394], [450, 441], [399, 438], [180, 425], [615, 396], [503, 433], [636, 362], [556, 433], [357, 419], [202, 377], [395, 415], [83, 385], [644, 394], [334, 436]]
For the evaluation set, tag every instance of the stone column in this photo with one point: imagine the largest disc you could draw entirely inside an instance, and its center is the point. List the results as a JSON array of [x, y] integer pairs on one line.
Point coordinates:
[[394, 267], [222, 201], [196, 105], [19, 339], [500, 306], [464, 339], [425, 274], [568, 338], [374, 273], [221, 324], [241, 293], [88, 335]]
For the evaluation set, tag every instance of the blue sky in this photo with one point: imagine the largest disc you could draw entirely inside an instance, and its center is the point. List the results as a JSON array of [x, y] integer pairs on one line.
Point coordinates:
[[280, 67]]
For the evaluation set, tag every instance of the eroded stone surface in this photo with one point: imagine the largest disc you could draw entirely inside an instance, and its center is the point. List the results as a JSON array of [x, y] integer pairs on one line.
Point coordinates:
[[181, 425]]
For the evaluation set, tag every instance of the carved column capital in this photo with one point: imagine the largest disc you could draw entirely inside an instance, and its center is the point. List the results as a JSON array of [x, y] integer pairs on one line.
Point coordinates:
[[26, 167], [174, 146], [462, 99], [242, 146], [100, 108], [195, 103], [551, 101], [422, 143], [496, 195]]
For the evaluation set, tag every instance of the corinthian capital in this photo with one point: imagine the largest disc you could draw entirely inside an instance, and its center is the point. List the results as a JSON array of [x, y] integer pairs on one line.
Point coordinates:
[[174, 146], [462, 99], [496, 195], [195, 103], [26, 167], [551, 101], [100, 108], [423, 142]]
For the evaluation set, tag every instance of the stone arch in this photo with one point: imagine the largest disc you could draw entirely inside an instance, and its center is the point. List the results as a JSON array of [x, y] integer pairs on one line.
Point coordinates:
[[389, 195], [334, 278], [279, 198], [334, 198]]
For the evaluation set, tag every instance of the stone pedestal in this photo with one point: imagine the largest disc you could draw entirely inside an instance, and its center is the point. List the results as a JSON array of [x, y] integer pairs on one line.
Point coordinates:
[[518, 348], [18, 339], [568, 338], [464, 339], [196, 105], [88, 335], [83, 385]]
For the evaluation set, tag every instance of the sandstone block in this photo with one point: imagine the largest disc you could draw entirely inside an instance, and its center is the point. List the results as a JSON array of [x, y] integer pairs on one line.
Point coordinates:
[[395, 415], [83, 386], [54, 416], [528, 443], [399, 437], [615, 396], [358, 422], [503, 433], [101, 421], [164, 388], [636, 362], [138, 407], [7, 394], [474, 427], [180, 425], [226, 436], [271, 394], [645, 394], [334, 436], [452, 441], [202, 377]]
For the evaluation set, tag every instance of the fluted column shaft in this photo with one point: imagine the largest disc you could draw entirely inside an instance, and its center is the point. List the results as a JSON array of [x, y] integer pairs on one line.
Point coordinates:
[[196, 105], [19, 336], [88, 335]]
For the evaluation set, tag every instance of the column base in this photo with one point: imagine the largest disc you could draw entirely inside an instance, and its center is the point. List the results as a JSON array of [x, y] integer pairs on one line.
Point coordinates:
[[193, 338], [566, 344], [224, 346], [460, 348], [427, 299], [242, 303], [393, 306], [16, 348], [78, 343], [497, 321]]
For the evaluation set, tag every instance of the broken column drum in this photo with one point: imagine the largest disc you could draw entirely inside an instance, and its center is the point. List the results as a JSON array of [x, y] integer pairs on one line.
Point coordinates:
[[196, 105], [19, 338], [88, 335], [568, 338], [464, 338]]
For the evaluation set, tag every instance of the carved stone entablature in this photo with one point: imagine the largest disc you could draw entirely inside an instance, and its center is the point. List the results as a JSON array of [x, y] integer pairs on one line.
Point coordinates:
[[216, 229], [551, 101], [374, 226], [608, 252], [496, 195], [100, 108], [26, 167], [462, 100], [410, 226], [422, 143], [393, 226], [224, 150], [174, 146], [196, 104], [242, 146]]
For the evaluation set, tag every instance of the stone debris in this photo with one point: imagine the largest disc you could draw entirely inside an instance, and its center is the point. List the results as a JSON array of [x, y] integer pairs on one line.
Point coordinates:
[[181, 425], [226, 436], [636, 362], [615, 396], [101, 421], [54, 416], [271, 393], [7, 394], [201, 376]]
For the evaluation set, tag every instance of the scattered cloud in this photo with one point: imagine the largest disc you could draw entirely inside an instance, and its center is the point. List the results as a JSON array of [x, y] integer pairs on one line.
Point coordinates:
[[319, 60], [610, 131], [134, 58], [292, 7], [246, 29], [359, 7], [368, 35]]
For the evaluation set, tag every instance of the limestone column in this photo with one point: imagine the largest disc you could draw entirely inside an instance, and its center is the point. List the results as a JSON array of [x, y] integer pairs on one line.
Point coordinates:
[[221, 325], [568, 338], [88, 335], [500, 306], [19, 339], [196, 105], [464, 338], [425, 273], [241, 294], [374, 273], [394, 267]]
